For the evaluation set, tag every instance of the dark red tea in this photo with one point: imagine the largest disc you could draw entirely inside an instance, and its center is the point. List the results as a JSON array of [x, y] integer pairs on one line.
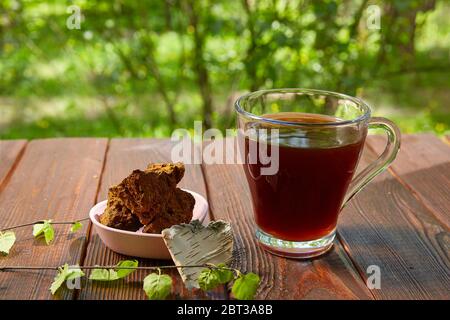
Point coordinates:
[[302, 201]]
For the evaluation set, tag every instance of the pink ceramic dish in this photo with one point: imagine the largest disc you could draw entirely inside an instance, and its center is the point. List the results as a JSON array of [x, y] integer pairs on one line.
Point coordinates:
[[138, 244]]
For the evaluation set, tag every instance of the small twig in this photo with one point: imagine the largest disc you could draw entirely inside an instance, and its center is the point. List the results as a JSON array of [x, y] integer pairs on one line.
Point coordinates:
[[115, 267], [42, 221]]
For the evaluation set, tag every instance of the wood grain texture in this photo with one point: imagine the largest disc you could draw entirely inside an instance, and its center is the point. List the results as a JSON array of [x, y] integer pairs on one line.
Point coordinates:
[[423, 166], [329, 277], [10, 152], [395, 223], [55, 179], [125, 155], [387, 226]]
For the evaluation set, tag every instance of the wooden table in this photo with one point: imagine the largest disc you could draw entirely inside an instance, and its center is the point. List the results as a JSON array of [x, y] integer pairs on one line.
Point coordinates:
[[399, 222]]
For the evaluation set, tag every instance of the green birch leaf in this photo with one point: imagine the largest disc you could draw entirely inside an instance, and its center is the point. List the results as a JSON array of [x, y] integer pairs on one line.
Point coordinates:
[[76, 226], [224, 274], [7, 240], [244, 288], [103, 275], [44, 229], [65, 273], [157, 286], [49, 233], [122, 273], [114, 274], [74, 272], [208, 279], [38, 229], [59, 279]]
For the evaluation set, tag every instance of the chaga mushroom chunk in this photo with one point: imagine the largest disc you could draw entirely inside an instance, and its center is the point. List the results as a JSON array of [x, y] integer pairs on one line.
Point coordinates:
[[179, 210], [147, 193], [174, 170], [117, 215], [149, 198]]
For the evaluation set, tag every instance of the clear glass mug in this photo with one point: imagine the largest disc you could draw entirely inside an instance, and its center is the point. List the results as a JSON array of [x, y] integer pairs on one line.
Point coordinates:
[[300, 149]]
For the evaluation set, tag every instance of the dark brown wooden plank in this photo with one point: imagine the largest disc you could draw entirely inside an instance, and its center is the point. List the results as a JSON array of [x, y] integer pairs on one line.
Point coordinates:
[[123, 156], [385, 225], [329, 277], [55, 179], [10, 152], [423, 166]]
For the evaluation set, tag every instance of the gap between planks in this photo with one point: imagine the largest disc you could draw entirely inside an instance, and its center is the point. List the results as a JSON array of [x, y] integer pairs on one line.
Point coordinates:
[[94, 252], [13, 167], [43, 153], [265, 262], [408, 187], [408, 190], [88, 238], [89, 227], [212, 218]]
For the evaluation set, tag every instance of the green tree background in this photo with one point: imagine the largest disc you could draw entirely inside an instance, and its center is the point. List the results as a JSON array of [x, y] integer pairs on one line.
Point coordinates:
[[142, 68]]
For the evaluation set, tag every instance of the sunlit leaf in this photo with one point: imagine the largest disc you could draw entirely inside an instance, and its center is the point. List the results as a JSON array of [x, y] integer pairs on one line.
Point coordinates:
[[225, 275], [65, 273], [116, 273], [244, 288], [76, 226], [122, 273], [103, 275], [210, 278], [157, 286], [7, 240], [44, 229]]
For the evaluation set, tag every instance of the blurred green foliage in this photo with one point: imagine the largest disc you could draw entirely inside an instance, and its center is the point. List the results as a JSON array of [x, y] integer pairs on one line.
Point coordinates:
[[142, 68]]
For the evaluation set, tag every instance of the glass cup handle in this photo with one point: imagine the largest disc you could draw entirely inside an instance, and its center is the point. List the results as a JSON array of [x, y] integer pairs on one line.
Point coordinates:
[[383, 161]]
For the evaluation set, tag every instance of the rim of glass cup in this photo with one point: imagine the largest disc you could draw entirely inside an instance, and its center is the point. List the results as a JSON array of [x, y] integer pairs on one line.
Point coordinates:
[[364, 106]]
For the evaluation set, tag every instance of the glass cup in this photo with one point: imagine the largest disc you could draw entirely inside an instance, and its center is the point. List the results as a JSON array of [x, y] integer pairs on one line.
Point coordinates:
[[300, 151]]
